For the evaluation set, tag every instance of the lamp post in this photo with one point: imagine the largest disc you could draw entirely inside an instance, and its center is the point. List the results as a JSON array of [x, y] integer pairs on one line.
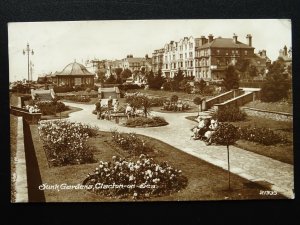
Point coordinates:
[[28, 53]]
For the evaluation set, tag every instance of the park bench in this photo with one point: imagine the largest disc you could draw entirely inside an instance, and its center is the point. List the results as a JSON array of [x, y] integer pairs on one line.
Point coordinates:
[[117, 116]]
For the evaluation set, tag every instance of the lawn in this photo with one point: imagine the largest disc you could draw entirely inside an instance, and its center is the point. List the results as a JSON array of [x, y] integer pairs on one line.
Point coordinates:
[[205, 181], [64, 114], [168, 94], [272, 106], [281, 152]]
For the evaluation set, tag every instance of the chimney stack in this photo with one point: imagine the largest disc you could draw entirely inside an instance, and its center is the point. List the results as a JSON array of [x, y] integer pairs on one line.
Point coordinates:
[[210, 38], [285, 50], [235, 38], [249, 38], [203, 40]]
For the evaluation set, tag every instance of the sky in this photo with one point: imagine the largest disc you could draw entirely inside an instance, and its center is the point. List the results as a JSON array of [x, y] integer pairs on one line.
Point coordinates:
[[56, 44]]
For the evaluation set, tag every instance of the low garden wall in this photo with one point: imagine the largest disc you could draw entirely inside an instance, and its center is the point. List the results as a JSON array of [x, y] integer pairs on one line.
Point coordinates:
[[222, 98], [34, 179], [279, 116]]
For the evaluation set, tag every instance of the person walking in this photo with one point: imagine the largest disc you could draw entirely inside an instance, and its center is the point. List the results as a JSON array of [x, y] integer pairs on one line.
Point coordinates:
[[98, 109]]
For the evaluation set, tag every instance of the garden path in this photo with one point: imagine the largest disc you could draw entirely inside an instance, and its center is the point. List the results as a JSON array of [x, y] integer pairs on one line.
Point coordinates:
[[251, 166]]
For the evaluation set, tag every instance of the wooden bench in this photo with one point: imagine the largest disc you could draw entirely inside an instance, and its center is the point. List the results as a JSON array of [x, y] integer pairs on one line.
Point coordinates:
[[117, 116]]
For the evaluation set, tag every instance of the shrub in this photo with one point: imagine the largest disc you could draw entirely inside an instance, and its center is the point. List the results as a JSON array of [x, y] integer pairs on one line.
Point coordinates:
[[263, 136], [131, 143], [139, 179], [65, 142], [51, 107], [146, 121], [229, 114], [78, 98], [157, 101], [62, 89]]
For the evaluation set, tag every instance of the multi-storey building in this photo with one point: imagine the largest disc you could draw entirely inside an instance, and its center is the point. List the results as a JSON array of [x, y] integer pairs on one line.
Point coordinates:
[[208, 58], [213, 56], [180, 55], [157, 60], [136, 63]]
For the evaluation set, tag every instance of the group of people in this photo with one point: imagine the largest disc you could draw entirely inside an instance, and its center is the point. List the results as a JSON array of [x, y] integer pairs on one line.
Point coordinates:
[[205, 129], [104, 112]]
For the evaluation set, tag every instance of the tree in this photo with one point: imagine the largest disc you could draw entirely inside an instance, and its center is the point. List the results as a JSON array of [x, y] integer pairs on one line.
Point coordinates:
[[111, 79], [200, 85], [101, 76], [276, 86], [174, 99], [118, 71], [179, 76], [125, 74], [138, 100], [226, 134], [242, 66], [198, 101], [252, 71], [158, 80], [231, 79]]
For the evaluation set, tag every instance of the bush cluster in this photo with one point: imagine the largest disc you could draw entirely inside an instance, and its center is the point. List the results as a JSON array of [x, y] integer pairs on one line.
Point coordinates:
[[260, 135], [139, 179], [146, 121], [65, 142], [51, 107], [229, 114], [157, 101], [78, 98], [131, 143]]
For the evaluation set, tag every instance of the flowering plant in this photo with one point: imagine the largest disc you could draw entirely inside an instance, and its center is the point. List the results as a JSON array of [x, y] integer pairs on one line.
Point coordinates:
[[131, 143], [140, 179], [65, 142], [264, 136]]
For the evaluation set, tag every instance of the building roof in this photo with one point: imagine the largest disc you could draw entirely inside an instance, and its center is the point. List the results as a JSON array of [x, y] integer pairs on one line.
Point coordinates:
[[74, 69], [225, 43]]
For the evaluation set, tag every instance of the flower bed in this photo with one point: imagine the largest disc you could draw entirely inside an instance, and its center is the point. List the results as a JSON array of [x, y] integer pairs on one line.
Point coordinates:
[[143, 178], [230, 114], [155, 121], [260, 135], [131, 143], [78, 98], [51, 107], [65, 142]]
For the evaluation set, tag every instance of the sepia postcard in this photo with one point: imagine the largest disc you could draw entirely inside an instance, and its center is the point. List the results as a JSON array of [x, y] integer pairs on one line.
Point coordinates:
[[151, 110]]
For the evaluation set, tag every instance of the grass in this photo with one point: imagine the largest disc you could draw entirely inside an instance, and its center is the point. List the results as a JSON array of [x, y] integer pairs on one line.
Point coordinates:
[[64, 114], [13, 147], [205, 181], [168, 94], [282, 106], [281, 152]]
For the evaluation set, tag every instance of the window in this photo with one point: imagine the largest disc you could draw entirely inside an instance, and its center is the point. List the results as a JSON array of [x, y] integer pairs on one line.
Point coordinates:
[[185, 46], [246, 52], [226, 52], [218, 52], [181, 64], [232, 52], [181, 56], [173, 57], [174, 65], [191, 63], [185, 55], [218, 62], [191, 54], [166, 66]]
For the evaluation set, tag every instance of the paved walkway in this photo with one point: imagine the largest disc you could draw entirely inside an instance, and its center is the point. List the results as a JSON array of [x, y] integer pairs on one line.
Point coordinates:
[[244, 163]]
